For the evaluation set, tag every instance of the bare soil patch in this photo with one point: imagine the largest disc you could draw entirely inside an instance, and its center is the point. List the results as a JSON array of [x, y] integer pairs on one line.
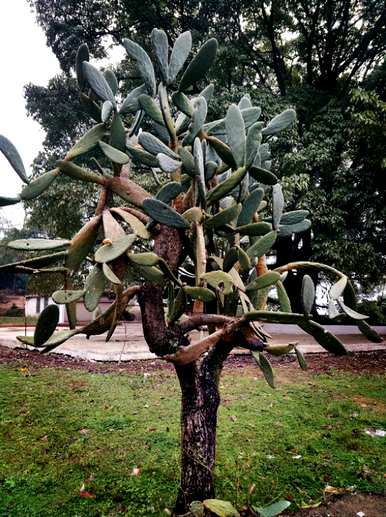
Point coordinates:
[[287, 367], [348, 506]]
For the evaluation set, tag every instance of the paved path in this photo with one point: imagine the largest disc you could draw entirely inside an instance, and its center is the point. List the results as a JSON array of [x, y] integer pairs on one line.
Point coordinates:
[[127, 343]]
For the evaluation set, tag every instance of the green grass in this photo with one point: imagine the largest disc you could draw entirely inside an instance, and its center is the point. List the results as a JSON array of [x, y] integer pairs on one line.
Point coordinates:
[[134, 421], [17, 320]]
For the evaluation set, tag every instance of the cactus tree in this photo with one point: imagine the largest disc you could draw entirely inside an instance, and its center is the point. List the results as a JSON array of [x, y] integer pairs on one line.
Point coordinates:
[[200, 242]]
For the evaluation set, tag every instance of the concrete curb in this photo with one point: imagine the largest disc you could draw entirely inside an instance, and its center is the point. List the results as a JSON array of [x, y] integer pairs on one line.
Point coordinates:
[[128, 343]]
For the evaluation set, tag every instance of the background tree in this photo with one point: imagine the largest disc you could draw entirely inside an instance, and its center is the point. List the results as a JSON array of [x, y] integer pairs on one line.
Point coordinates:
[[209, 217], [310, 55]]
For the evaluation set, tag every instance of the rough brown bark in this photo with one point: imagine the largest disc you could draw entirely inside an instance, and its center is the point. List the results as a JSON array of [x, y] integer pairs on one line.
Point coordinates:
[[167, 245], [199, 403], [198, 380]]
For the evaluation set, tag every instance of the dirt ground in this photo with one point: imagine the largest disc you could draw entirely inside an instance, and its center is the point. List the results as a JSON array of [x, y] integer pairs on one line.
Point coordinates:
[[287, 366], [348, 506]]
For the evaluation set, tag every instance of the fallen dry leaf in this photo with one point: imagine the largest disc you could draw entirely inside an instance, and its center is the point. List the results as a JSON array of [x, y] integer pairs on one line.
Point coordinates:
[[87, 495]]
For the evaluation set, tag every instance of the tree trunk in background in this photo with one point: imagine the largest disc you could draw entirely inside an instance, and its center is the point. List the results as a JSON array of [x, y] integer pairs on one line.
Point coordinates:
[[199, 403], [288, 250]]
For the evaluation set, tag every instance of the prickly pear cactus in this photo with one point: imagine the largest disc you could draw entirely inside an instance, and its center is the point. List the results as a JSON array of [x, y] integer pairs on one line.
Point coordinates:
[[202, 241]]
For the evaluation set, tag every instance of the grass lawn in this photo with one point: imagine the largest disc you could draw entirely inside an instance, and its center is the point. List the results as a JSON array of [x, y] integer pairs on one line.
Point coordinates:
[[17, 320], [60, 429]]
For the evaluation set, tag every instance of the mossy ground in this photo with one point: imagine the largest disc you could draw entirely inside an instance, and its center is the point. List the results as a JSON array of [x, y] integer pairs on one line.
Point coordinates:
[[60, 429]]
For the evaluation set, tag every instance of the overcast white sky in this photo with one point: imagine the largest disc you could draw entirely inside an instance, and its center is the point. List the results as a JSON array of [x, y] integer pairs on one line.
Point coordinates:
[[24, 57]]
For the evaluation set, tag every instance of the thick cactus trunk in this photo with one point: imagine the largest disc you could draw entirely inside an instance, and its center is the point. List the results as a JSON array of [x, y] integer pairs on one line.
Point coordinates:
[[199, 403]]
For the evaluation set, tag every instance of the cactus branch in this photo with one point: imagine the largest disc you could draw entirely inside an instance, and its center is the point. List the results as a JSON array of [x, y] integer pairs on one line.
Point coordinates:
[[199, 320], [306, 265]]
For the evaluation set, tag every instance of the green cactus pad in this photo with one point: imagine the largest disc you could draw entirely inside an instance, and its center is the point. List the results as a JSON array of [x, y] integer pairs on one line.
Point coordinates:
[[169, 191], [178, 306], [263, 281], [182, 102], [325, 339], [224, 217], [219, 280], [244, 260], [46, 325], [250, 206], [147, 258], [287, 230], [265, 367], [253, 142], [38, 244], [142, 157], [67, 296], [98, 83], [200, 293], [117, 133], [35, 263], [163, 213], [294, 217], [263, 245], [187, 161], [112, 80], [280, 122], [109, 252], [284, 301], [199, 65], [143, 62], [235, 131], [277, 205], [83, 243], [168, 164], [230, 259], [151, 108], [274, 317], [262, 175], [78, 173], [223, 151], [222, 189], [368, 332], [130, 103], [307, 294], [279, 350], [115, 155], [338, 288], [110, 275], [13, 157], [197, 119], [194, 214], [152, 274], [161, 47], [94, 287], [82, 54], [137, 226], [301, 359], [38, 186], [350, 312], [88, 141], [107, 109], [254, 229], [180, 52], [6, 201], [153, 145]]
